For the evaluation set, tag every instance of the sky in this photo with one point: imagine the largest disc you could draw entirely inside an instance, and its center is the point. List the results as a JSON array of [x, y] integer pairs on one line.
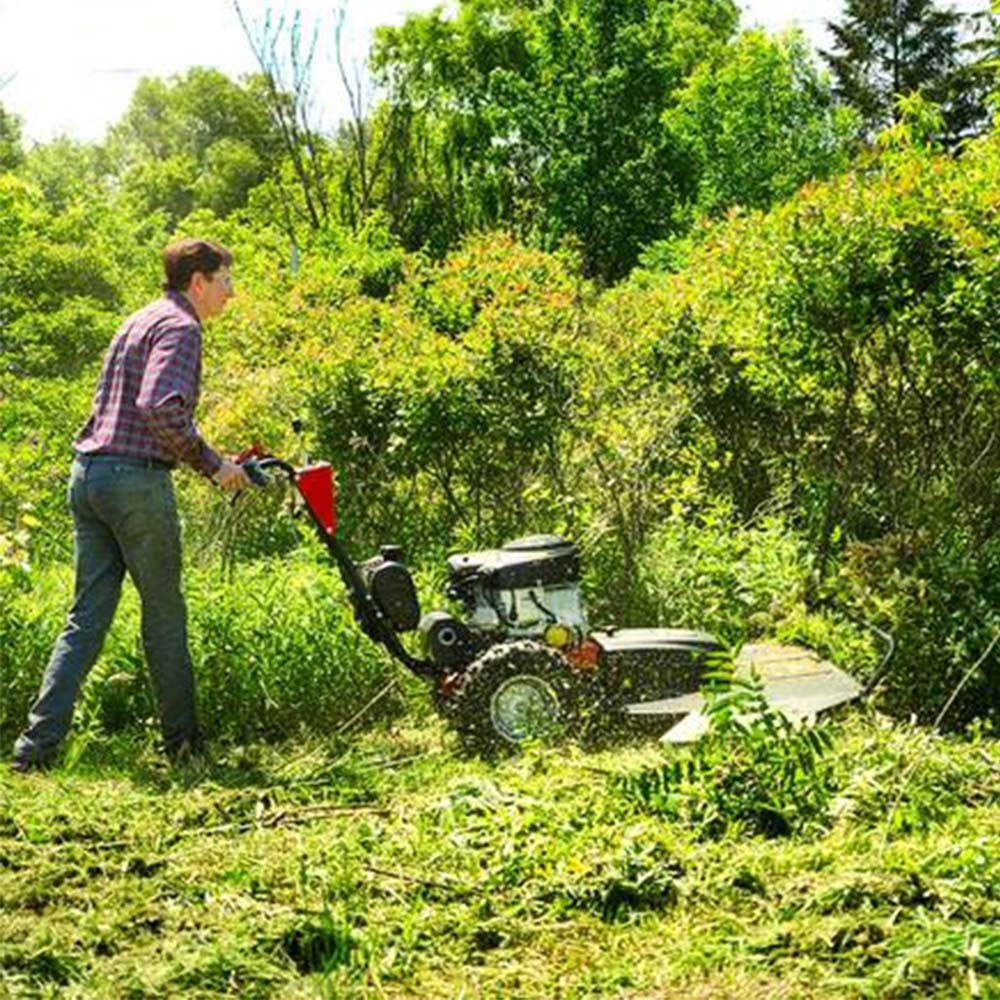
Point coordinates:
[[68, 67]]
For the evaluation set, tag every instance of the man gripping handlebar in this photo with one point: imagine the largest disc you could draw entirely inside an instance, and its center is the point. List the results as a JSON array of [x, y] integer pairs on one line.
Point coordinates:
[[122, 500]]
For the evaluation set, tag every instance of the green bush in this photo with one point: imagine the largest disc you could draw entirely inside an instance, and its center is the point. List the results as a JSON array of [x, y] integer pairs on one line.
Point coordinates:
[[839, 353], [755, 772], [940, 596], [456, 438], [709, 571]]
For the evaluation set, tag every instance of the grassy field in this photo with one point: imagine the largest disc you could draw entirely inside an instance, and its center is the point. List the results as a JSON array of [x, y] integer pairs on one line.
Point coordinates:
[[391, 866]]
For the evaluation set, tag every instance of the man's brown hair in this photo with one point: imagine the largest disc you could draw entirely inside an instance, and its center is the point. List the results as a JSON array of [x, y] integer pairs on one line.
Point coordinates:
[[185, 257]]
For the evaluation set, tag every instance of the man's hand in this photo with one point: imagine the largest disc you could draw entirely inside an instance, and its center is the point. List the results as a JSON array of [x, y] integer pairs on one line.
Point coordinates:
[[231, 476]]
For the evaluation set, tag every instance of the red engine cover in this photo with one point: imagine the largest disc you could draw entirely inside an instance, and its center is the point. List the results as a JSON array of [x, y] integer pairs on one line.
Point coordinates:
[[316, 485]]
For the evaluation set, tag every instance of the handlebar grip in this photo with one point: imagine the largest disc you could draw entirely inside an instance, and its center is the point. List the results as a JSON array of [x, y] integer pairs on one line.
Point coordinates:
[[254, 472]]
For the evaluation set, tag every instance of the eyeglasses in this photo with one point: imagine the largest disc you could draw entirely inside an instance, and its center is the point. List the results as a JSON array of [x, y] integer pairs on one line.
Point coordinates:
[[226, 280]]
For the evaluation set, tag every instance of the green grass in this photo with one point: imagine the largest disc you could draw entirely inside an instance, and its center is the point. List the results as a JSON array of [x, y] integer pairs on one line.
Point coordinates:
[[275, 646], [393, 867]]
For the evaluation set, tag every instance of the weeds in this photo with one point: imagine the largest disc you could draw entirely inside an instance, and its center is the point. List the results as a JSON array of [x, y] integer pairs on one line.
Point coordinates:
[[275, 649], [755, 772], [931, 954]]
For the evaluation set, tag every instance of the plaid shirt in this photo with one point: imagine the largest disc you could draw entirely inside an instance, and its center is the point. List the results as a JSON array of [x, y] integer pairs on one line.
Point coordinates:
[[145, 400]]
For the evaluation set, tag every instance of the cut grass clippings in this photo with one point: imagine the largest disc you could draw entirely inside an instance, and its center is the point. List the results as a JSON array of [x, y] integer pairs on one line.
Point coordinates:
[[393, 867]]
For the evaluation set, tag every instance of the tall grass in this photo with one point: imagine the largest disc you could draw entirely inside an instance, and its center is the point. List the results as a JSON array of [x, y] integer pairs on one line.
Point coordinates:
[[274, 647]]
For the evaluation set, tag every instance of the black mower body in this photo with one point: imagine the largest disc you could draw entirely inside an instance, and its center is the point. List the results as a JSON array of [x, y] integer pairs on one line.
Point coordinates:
[[636, 664], [519, 657], [522, 612]]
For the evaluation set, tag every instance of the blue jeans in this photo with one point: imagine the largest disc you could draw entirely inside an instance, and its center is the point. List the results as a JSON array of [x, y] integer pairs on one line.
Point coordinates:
[[124, 519]]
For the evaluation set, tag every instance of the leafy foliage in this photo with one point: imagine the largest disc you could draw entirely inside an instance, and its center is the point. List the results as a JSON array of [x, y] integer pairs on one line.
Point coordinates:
[[195, 141], [546, 119], [451, 408], [68, 173], [760, 122], [890, 50], [11, 151], [755, 771], [839, 351]]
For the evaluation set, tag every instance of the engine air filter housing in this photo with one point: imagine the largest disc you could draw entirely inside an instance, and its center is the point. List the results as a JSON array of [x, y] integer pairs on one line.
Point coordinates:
[[522, 588]]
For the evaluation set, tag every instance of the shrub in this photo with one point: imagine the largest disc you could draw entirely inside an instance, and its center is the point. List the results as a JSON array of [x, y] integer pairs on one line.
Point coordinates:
[[754, 772], [708, 571], [838, 352]]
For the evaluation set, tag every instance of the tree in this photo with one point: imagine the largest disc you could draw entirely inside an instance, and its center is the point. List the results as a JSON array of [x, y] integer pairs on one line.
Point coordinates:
[[760, 121], [589, 129], [11, 151], [889, 48], [64, 277], [545, 118], [445, 175], [200, 140], [66, 171]]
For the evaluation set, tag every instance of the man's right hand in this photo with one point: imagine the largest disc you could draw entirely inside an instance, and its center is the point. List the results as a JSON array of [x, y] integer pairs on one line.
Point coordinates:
[[231, 476]]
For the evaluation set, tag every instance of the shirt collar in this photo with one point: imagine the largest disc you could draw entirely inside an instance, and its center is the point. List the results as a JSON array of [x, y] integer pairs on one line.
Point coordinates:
[[181, 300]]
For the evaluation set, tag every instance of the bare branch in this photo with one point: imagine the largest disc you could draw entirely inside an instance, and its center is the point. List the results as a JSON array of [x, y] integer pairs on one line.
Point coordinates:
[[290, 106], [357, 126]]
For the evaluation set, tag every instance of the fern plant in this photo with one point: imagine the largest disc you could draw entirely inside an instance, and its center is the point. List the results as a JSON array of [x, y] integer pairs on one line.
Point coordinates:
[[755, 771]]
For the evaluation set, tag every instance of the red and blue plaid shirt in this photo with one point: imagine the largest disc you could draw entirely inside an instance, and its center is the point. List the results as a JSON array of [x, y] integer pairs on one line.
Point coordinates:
[[149, 388]]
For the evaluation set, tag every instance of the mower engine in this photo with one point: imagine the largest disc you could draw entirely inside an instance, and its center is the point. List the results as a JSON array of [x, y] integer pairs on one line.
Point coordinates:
[[528, 589]]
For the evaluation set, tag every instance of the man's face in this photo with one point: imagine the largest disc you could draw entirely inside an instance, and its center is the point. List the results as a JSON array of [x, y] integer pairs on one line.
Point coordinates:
[[210, 293], [218, 290]]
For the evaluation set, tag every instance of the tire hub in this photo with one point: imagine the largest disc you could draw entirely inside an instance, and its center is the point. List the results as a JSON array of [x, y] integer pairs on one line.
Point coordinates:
[[523, 707]]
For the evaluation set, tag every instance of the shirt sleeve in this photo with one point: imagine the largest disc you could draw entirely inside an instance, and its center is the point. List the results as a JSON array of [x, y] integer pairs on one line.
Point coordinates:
[[168, 393]]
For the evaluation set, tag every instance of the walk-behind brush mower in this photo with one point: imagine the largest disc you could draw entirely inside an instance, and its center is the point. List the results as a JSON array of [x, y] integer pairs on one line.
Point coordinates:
[[521, 662]]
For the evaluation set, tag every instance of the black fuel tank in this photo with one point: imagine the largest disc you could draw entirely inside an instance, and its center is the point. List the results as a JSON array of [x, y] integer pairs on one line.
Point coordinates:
[[537, 560]]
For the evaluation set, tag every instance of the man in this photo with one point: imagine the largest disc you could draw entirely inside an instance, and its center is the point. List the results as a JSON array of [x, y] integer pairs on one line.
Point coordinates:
[[122, 500]]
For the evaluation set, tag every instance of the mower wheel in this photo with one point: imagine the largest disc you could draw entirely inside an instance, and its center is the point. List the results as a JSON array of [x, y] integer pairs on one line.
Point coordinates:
[[515, 692]]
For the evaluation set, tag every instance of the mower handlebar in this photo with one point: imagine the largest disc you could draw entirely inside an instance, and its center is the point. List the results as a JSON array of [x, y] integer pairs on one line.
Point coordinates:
[[255, 468], [321, 507], [254, 472]]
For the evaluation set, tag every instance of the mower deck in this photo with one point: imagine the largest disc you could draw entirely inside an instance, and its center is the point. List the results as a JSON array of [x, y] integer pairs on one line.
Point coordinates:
[[796, 681]]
